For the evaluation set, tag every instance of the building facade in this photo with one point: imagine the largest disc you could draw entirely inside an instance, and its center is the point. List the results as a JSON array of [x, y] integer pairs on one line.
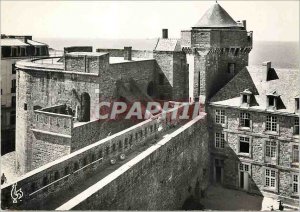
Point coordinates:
[[254, 137], [13, 49]]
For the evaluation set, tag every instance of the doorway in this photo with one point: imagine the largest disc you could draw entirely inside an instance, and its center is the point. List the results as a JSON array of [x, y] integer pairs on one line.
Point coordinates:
[[219, 166], [244, 176]]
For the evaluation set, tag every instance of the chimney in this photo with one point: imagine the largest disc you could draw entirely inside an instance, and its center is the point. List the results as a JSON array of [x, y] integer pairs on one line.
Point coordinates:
[[127, 52], [245, 24], [165, 33], [268, 67]]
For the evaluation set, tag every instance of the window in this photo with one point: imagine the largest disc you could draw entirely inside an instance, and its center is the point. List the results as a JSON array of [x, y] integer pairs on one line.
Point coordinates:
[[271, 123], [271, 101], [22, 51], [13, 68], [13, 117], [244, 145], [245, 98], [270, 178], [220, 116], [244, 167], [126, 143], [13, 86], [219, 140], [295, 154], [25, 106], [13, 101], [114, 148], [271, 147], [161, 79], [295, 183], [14, 51], [296, 126], [245, 120], [231, 68]]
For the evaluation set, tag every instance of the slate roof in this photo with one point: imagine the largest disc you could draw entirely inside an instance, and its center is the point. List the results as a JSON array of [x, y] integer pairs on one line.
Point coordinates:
[[12, 42], [168, 44], [284, 82], [216, 17]]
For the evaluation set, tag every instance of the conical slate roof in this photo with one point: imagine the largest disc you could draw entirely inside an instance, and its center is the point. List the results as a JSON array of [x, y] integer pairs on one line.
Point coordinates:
[[216, 17]]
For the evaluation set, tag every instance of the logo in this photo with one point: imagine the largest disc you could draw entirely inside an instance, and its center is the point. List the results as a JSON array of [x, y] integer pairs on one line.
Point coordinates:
[[16, 194]]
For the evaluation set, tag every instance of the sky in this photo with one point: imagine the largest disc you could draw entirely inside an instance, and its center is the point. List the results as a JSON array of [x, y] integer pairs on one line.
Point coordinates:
[[270, 20]]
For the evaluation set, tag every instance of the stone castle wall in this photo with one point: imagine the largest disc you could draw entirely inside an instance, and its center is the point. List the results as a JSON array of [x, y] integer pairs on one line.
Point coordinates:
[[162, 177]]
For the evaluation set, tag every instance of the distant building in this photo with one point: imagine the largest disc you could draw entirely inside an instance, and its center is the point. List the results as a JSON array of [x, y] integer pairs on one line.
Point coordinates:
[[13, 48], [255, 132]]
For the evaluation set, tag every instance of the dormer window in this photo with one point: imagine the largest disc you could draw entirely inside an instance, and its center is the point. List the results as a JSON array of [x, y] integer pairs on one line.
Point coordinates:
[[245, 98], [272, 100]]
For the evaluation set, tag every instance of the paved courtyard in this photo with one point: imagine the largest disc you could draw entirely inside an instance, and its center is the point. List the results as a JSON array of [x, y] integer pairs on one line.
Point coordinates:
[[219, 198]]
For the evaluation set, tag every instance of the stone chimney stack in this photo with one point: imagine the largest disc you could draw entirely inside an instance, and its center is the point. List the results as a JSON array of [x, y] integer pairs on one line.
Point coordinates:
[[127, 53], [245, 24], [268, 67], [165, 33]]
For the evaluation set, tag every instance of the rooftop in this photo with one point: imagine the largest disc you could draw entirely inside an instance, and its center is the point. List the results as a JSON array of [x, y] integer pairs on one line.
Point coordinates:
[[284, 84], [95, 54], [168, 44], [20, 42], [12, 42], [216, 17]]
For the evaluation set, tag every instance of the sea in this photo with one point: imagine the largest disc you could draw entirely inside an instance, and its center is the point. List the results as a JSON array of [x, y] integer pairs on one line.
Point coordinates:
[[281, 54]]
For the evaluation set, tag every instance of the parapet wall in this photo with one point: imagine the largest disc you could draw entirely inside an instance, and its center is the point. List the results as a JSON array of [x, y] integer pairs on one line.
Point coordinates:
[[162, 177], [120, 53]]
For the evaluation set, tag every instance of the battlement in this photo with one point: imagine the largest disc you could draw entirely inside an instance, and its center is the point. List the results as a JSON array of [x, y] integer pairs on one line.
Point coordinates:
[[54, 119], [87, 62]]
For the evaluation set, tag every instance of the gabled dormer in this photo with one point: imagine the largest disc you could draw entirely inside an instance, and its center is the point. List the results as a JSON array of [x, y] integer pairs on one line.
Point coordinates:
[[272, 100], [245, 98]]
